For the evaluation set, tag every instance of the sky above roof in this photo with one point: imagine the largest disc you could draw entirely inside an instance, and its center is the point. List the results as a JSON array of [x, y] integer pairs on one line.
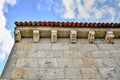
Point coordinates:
[[51, 10]]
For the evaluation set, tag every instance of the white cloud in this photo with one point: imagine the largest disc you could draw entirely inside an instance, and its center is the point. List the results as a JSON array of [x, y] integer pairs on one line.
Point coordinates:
[[6, 41], [102, 1], [50, 3], [119, 4], [11, 2], [2, 56], [69, 8], [82, 10], [93, 10], [87, 9]]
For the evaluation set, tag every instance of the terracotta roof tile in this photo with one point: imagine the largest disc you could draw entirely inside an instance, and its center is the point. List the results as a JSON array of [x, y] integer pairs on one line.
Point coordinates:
[[67, 24]]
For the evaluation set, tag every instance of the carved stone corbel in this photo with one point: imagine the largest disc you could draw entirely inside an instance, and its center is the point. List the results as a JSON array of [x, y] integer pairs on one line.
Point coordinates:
[[36, 36], [17, 36], [73, 35], [109, 37], [54, 36], [91, 36]]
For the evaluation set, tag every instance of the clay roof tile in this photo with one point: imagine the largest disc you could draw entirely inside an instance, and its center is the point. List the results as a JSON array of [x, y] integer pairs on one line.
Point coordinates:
[[67, 24]]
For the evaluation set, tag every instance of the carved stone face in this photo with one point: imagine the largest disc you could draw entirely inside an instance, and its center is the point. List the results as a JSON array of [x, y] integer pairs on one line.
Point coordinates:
[[109, 36], [17, 35], [91, 36], [73, 35]]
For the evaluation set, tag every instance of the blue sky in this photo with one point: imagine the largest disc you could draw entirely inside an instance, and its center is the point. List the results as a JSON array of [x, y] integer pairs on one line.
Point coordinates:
[[51, 10]]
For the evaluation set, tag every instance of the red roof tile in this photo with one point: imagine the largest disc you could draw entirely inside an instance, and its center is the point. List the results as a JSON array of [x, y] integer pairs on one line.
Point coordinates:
[[68, 24]]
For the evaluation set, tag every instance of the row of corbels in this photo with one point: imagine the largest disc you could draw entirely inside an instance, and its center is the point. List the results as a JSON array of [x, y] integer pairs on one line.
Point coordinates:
[[73, 36]]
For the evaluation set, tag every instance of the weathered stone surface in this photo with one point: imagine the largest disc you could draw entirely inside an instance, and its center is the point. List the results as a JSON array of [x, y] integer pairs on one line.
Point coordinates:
[[58, 54], [48, 62], [22, 63], [109, 62], [117, 46], [60, 46], [72, 54], [90, 73], [73, 73], [19, 73], [102, 54], [44, 47], [18, 53], [63, 61], [82, 47], [77, 62], [89, 47], [88, 62], [27, 62], [41, 54], [85, 54], [108, 47], [55, 73], [67, 54], [108, 72]]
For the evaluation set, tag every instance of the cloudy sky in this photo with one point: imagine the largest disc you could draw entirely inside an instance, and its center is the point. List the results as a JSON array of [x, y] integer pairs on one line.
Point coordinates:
[[51, 10]]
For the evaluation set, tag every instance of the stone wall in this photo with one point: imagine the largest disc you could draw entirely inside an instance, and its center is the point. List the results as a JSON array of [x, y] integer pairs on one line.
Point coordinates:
[[63, 61]]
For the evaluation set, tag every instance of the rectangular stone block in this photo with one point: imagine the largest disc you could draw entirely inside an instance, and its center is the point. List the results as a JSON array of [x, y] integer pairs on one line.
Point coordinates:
[[90, 73], [60, 46], [36, 36], [108, 73], [44, 47], [73, 73], [73, 35], [17, 35], [54, 36], [106, 47], [55, 73], [102, 54], [48, 62], [27, 62], [90, 62], [77, 62], [58, 54], [62, 62], [109, 62]]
